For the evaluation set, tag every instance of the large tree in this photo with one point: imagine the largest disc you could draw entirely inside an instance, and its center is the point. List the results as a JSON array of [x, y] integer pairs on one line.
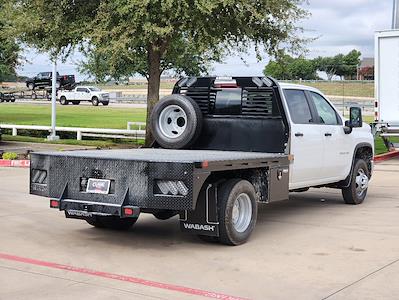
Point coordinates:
[[158, 29], [9, 49], [154, 35]]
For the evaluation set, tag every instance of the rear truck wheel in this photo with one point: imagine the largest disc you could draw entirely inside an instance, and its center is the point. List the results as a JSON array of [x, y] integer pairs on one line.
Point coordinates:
[[105, 103], [111, 222], [75, 102], [164, 214], [237, 210], [13, 100], [64, 101], [176, 121], [31, 86], [94, 101], [356, 192]]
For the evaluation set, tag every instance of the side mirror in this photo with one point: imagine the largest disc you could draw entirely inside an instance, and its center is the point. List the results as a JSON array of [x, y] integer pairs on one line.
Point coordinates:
[[356, 119], [348, 128]]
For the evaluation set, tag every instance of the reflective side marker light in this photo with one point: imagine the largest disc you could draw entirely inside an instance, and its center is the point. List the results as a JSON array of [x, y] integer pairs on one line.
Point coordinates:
[[54, 203], [205, 164]]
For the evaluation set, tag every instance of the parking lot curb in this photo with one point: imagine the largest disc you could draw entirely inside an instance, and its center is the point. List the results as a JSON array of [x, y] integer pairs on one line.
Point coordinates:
[[386, 156], [14, 163]]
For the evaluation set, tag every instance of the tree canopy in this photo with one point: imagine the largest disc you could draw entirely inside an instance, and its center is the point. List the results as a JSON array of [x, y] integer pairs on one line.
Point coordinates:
[[290, 68], [149, 36], [9, 49]]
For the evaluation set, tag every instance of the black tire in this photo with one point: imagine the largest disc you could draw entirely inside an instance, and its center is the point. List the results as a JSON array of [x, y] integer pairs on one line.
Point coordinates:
[[94, 101], [227, 195], [114, 223], [164, 214], [105, 103], [64, 101], [191, 125], [75, 102], [355, 194], [13, 100]]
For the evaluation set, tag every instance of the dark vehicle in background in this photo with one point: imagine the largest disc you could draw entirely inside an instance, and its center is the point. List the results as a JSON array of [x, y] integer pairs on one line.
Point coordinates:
[[43, 80], [7, 97]]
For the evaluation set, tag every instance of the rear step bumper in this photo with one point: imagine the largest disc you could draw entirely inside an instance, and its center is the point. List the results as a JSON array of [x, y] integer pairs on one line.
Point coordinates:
[[80, 209]]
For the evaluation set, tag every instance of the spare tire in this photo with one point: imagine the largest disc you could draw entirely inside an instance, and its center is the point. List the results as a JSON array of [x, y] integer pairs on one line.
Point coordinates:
[[176, 121]]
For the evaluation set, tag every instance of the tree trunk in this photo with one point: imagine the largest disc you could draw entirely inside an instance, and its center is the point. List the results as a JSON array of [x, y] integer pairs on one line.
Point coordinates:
[[154, 79]]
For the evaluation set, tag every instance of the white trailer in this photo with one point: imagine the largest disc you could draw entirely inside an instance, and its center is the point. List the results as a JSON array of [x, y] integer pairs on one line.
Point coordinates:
[[387, 85]]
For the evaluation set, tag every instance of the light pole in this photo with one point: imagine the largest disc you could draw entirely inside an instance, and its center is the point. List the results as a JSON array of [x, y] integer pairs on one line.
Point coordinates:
[[53, 136], [395, 14]]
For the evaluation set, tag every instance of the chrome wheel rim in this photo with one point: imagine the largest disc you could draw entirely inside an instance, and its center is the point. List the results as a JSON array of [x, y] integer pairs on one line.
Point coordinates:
[[242, 212], [362, 182], [172, 121]]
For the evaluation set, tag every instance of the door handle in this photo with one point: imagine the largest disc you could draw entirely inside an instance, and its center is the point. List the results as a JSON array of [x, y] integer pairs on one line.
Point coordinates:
[[328, 134], [299, 134]]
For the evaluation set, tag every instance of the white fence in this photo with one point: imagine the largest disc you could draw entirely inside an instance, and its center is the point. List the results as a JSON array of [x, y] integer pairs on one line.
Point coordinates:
[[89, 132]]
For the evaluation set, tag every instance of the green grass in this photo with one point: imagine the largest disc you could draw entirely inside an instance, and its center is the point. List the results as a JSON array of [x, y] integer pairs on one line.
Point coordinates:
[[71, 116], [91, 143]]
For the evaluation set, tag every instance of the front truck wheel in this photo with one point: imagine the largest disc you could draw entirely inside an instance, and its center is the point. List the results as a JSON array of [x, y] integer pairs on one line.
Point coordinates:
[[238, 211], [356, 192], [111, 222]]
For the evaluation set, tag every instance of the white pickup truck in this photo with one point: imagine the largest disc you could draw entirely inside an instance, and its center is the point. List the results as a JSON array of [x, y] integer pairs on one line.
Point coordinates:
[[220, 148], [83, 93]]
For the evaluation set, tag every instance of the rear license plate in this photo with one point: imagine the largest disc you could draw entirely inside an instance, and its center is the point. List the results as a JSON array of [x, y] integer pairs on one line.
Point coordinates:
[[98, 186]]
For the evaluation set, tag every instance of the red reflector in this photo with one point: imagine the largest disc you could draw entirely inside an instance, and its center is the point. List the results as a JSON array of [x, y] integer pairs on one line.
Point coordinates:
[[128, 211], [226, 85], [54, 203], [205, 164]]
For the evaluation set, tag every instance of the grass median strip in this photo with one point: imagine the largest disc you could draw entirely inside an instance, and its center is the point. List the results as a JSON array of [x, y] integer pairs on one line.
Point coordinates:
[[71, 116]]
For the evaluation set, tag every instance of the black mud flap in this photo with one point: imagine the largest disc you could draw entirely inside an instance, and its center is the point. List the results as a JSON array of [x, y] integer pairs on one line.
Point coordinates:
[[204, 219]]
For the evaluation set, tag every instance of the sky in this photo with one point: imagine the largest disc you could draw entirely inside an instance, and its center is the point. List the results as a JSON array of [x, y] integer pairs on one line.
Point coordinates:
[[338, 25]]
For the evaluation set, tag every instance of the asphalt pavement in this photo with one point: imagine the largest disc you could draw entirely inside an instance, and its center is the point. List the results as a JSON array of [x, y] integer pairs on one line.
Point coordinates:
[[309, 247]]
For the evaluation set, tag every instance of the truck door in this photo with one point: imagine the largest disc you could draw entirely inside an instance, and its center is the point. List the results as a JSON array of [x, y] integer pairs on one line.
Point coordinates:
[[306, 141], [87, 95], [80, 94], [337, 156]]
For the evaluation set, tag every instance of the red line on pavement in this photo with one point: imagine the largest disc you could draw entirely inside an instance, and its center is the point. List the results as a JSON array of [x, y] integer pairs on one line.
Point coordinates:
[[130, 279]]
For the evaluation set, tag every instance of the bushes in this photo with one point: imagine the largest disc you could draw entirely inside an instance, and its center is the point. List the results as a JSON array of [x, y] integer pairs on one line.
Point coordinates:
[[10, 155]]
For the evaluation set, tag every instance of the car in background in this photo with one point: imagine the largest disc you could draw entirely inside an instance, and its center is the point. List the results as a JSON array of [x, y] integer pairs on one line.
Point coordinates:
[[7, 97], [44, 80], [83, 93]]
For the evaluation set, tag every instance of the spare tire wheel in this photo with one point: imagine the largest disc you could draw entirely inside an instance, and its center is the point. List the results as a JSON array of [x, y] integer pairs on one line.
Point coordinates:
[[176, 121]]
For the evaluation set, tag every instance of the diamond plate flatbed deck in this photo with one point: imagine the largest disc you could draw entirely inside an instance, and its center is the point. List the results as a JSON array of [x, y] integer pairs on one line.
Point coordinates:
[[167, 155]]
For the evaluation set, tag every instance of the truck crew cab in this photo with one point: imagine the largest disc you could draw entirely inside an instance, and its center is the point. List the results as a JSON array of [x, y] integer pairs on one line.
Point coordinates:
[[221, 146], [83, 93]]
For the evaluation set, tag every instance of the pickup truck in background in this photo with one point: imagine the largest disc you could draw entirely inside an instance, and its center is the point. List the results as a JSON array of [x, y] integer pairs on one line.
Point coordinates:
[[83, 93], [44, 80], [221, 147]]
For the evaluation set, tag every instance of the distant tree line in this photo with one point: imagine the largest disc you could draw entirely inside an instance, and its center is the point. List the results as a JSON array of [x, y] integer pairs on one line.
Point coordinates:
[[294, 68]]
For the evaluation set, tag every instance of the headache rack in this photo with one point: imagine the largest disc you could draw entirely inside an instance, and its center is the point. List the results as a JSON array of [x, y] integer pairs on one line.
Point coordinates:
[[258, 94]]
